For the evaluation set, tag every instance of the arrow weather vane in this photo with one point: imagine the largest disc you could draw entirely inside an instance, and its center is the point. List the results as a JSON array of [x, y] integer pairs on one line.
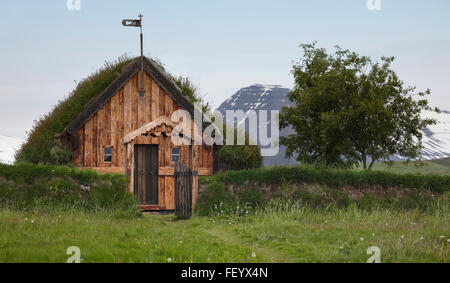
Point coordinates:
[[138, 23]]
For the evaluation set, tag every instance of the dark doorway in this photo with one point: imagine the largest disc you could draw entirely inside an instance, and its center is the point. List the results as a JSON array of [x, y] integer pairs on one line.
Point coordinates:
[[146, 173]]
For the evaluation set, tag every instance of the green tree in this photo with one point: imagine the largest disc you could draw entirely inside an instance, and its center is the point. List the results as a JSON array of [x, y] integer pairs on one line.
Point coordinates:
[[350, 110]]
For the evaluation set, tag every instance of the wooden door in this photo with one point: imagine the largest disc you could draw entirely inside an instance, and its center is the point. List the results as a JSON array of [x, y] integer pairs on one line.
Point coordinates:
[[146, 174]]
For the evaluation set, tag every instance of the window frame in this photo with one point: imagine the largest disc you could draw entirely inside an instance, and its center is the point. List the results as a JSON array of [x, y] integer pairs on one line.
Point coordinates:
[[107, 154], [172, 154]]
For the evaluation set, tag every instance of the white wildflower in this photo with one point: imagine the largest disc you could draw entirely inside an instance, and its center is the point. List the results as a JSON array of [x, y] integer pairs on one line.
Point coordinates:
[[169, 259], [421, 238], [442, 237], [362, 239], [253, 254]]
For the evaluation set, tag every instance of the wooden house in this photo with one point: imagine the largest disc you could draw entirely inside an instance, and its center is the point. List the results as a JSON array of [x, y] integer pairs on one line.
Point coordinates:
[[123, 130]]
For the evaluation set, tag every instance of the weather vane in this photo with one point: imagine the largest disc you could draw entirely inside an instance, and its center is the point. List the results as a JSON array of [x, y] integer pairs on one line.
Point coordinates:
[[138, 23]]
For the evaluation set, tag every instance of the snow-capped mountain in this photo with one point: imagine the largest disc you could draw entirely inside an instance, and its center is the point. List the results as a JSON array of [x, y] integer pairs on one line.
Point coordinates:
[[257, 97], [436, 138], [262, 97], [8, 146]]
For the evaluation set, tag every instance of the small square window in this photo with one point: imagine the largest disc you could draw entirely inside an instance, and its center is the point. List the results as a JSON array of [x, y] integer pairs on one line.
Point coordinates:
[[107, 154], [175, 154], [141, 94]]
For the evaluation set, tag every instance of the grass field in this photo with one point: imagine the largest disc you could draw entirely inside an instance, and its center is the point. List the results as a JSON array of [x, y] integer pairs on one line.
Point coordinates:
[[275, 218], [278, 234], [434, 167]]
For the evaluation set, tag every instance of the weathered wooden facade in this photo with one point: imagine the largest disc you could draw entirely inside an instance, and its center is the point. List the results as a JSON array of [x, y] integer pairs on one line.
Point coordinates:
[[124, 131]]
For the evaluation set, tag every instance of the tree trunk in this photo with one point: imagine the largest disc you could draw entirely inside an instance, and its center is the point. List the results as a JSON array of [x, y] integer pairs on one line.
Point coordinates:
[[371, 163], [364, 160]]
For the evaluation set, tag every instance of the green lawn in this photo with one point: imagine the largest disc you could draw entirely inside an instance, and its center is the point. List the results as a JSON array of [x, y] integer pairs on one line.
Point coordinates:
[[434, 167], [274, 235]]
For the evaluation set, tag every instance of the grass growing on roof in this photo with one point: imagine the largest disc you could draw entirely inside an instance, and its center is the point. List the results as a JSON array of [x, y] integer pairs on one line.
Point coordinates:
[[42, 145]]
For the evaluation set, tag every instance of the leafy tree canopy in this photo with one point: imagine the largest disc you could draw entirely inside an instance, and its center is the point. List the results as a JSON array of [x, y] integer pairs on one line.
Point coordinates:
[[238, 157], [350, 110]]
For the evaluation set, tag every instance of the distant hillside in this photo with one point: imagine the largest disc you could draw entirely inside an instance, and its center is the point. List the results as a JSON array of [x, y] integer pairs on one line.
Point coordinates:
[[443, 161], [272, 97]]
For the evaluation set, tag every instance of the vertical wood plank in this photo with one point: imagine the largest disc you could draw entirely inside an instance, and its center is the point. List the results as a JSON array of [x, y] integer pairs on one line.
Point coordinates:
[[168, 151], [94, 141], [162, 187], [195, 156], [77, 157], [141, 110], [115, 129], [155, 100], [130, 165], [148, 99], [83, 152], [161, 151], [170, 192], [127, 101], [135, 106], [100, 136], [88, 143], [162, 103], [194, 190], [161, 192], [168, 105]]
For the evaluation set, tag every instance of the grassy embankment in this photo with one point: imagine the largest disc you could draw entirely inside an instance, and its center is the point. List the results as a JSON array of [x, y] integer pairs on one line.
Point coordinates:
[[311, 222]]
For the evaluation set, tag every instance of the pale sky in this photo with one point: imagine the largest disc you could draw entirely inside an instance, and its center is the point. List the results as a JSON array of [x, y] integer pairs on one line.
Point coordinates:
[[222, 45]]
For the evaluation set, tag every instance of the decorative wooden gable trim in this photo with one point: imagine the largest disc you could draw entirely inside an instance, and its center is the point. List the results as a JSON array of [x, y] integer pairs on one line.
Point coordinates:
[[156, 127]]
